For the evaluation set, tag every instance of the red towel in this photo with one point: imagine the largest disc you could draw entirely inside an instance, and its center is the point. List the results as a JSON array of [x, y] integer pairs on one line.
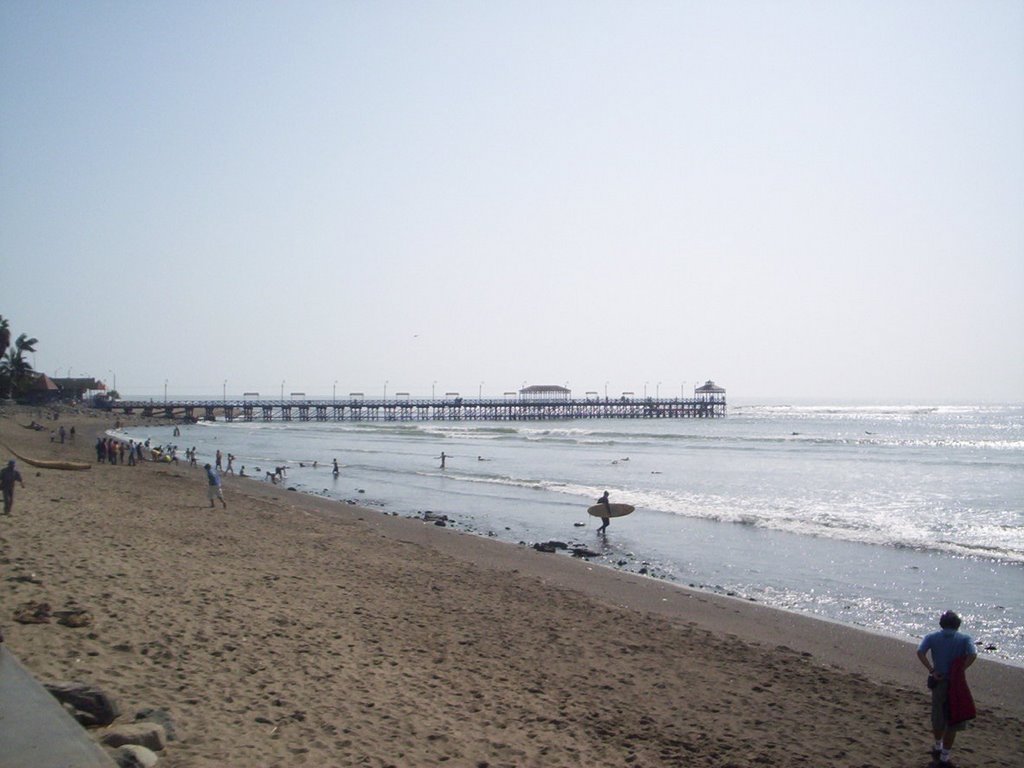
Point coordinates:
[[961, 703]]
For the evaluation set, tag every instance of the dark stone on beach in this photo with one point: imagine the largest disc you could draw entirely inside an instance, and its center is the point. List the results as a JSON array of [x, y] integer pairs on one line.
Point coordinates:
[[159, 716], [578, 525], [91, 705], [583, 552], [642, 571], [134, 756], [550, 546], [144, 734], [30, 579], [441, 523], [32, 613], [429, 516], [74, 617], [291, 488]]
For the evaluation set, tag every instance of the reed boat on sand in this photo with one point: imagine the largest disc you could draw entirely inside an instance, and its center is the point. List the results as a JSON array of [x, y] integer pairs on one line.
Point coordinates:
[[50, 463]]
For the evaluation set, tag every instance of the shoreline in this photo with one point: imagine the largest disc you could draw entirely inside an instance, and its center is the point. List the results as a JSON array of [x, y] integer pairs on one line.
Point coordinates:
[[459, 523], [884, 586], [859, 649], [388, 640]]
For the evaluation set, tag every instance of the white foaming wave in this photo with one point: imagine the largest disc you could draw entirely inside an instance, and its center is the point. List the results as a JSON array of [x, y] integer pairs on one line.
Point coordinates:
[[824, 520], [993, 445], [502, 480], [837, 410], [577, 436], [556, 431]]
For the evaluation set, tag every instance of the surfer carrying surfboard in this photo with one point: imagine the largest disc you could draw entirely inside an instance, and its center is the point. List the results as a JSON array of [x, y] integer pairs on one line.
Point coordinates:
[[605, 519], [606, 511]]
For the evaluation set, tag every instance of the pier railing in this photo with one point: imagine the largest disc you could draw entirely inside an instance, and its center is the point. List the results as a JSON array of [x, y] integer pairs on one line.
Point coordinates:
[[450, 409]]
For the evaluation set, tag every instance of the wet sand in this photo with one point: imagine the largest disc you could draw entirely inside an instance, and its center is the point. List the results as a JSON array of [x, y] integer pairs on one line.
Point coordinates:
[[292, 630]]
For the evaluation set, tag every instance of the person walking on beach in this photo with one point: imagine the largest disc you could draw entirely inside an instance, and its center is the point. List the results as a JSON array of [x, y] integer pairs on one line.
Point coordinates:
[[952, 652], [9, 475], [443, 457], [605, 520], [213, 489], [336, 471]]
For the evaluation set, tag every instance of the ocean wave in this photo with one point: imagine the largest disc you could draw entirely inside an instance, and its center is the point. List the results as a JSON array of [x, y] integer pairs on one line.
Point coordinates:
[[884, 528]]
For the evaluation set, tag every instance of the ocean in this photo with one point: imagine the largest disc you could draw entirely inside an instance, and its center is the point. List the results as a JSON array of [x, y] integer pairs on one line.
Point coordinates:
[[880, 517]]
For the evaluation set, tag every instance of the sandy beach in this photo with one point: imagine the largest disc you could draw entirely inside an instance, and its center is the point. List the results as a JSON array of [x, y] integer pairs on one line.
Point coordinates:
[[290, 630]]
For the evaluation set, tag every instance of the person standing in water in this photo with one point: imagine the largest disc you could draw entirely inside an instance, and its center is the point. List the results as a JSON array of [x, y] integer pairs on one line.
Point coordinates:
[[607, 519], [443, 457]]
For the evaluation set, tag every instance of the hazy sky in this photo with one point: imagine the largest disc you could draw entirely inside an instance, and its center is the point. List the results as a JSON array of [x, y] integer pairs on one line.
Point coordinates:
[[799, 200]]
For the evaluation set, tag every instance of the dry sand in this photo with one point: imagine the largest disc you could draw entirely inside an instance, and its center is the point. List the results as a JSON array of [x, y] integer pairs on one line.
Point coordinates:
[[289, 631]]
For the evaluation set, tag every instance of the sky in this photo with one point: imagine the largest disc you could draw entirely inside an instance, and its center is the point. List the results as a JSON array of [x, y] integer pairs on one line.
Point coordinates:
[[799, 200]]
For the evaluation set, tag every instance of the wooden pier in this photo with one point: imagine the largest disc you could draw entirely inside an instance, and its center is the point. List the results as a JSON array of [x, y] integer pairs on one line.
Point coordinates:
[[451, 409]]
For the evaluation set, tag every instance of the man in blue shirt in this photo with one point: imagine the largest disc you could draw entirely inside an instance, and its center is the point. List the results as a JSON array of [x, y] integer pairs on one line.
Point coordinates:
[[213, 488], [946, 646]]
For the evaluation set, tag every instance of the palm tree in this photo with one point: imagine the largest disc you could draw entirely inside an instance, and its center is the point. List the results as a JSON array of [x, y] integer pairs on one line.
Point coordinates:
[[5, 334], [15, 369]]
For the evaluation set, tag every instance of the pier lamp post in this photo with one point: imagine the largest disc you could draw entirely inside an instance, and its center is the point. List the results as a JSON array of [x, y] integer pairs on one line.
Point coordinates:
[[480, 392], [165, 391], [282, 390], [606, 390], [433, 387], [645, 390], [334, 393], [657, 391], [385, 390], [114, 375], [224, 394]]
